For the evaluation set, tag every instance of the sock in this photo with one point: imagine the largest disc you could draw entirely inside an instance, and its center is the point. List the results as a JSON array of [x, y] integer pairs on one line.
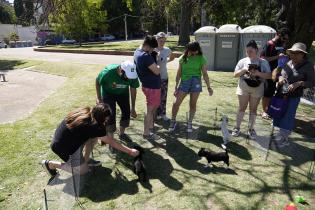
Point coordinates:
[[191, 117]]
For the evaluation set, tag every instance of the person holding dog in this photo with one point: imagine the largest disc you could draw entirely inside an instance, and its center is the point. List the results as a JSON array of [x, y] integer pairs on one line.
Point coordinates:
[[188, 81], [80, 129], [148, 71], [251, 71], [113, 85], [296, 75]]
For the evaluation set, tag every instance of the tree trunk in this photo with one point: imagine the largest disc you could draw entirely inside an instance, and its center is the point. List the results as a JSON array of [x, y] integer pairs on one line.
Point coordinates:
[[298, 16], [185, 14]]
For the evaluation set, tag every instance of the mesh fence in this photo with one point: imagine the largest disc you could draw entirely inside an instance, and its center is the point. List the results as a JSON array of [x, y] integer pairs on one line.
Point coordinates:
[[309, 96], [63, 190]]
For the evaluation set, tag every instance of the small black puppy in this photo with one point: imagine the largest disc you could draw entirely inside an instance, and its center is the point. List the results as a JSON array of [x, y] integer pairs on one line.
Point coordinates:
[[138, 165], [215, 157]]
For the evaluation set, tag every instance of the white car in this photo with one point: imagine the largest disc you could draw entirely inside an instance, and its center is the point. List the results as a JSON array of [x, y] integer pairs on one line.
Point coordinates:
[[107, 37], [68, 41], [3, 45]]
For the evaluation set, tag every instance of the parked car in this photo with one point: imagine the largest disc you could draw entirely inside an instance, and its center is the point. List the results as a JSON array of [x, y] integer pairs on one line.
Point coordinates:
[[49, 42], [107, 37], [3, 45], [68, 41]]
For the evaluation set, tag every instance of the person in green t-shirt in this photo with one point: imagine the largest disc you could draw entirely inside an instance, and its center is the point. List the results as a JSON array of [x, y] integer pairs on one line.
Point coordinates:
[[112, 86], [191, 66]]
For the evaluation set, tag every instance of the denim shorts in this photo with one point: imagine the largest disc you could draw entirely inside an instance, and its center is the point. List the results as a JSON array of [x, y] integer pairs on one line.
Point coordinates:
[[191, 85]]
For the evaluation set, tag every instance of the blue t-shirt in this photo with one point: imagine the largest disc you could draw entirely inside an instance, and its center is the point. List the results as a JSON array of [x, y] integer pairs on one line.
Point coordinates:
[[148, 79]]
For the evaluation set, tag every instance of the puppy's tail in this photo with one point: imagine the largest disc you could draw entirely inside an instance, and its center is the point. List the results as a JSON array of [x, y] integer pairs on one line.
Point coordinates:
[[224, 147]]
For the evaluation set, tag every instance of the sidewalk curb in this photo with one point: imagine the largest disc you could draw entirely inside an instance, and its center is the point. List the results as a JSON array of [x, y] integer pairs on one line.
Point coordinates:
[[99, 52]]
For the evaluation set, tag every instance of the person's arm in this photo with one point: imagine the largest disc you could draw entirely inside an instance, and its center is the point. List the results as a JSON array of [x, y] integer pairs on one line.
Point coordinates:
[[177, 79], [171, 57], [98, 92], [112, 142], [206, 78], [155, 69], [133, 95], [261, 74], [310, 81]]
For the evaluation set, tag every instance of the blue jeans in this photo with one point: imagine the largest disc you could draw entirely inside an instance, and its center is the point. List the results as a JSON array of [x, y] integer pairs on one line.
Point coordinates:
[[287, 122], [191, 85]]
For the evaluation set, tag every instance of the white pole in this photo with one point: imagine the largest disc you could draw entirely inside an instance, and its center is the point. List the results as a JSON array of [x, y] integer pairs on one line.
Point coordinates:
[[126, 33]]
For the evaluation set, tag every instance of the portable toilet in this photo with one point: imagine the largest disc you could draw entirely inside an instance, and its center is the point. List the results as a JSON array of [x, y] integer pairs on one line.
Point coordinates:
[[206, 38], [227, 42], [260, 33]]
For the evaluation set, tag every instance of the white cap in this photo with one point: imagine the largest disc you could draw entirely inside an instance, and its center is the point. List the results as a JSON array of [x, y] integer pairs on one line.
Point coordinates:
[[130, 69], [160, 35]]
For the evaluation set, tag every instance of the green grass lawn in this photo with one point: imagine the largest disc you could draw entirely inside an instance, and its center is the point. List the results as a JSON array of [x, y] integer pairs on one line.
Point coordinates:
[[122, 46], [177, 177]]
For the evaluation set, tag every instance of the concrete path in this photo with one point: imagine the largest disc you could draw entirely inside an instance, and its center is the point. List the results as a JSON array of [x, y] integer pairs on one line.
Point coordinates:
[[24, 91]]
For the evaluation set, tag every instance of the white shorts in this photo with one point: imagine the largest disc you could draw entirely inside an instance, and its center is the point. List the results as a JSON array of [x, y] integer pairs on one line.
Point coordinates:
[[244, 90]]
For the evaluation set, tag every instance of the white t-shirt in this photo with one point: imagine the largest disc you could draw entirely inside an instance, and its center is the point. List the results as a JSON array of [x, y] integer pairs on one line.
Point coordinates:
[[243, 64], [162, 61]]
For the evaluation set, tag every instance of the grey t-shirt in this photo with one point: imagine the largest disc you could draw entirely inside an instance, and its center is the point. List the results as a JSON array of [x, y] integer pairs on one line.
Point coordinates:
[[162, 61]]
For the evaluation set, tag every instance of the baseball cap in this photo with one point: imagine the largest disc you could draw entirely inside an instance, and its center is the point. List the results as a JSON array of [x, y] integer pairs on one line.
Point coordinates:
[[160, 35], [130, 69]]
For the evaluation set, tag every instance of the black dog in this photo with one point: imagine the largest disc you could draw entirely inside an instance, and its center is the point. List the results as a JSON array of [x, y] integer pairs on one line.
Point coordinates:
[[138, 165], [215, 157]]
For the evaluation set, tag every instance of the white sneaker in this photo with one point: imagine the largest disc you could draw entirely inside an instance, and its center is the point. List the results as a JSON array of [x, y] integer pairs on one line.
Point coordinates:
[[236, 132]]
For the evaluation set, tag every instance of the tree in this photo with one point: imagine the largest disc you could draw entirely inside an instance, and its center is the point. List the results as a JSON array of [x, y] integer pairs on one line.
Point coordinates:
[[185, 21], [298, 16], [24, 11], [77, 18], [7, 15]]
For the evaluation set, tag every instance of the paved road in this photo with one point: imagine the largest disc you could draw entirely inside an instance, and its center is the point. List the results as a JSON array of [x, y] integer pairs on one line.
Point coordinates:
[[29, 54]]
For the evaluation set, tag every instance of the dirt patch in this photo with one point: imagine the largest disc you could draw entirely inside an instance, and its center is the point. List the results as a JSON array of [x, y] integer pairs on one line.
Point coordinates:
[[24, 90]]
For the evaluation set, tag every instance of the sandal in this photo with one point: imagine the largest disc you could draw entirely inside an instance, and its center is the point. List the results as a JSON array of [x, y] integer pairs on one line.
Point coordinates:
[[265, 116]]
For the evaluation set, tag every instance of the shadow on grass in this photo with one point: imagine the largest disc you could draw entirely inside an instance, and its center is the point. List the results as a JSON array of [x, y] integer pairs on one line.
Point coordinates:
[[305, 128], [157, 167], [102, 186], [7, 65]]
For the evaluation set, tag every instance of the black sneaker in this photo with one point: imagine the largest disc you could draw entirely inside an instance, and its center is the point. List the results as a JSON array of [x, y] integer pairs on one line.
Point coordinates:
[[125, 137], [51, 172], [94, 163]]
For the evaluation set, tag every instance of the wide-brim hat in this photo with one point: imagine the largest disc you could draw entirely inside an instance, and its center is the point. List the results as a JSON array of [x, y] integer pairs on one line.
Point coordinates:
[[130, 69], [298, 47]]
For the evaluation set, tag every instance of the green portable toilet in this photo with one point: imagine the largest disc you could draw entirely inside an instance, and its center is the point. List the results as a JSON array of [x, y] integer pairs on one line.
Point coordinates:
[[227, 42], [260, 33], [206, 38]]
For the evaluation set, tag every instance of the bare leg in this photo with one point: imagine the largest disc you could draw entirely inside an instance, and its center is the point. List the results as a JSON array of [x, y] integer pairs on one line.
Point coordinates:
[[243, 102], [193, 105], [179, 99]]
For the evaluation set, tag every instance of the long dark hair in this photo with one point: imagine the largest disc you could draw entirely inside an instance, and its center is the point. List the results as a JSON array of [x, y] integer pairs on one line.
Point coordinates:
[[192, 46], [86, 116]]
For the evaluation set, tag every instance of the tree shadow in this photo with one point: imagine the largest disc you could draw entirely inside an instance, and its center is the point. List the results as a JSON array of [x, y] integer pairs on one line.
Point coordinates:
[[6, 65], [102, 186], [305, 128], [201, 134], [157, 167]]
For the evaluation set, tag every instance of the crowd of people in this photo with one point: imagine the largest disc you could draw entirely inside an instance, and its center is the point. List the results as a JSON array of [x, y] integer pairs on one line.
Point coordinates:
[[279, 71]]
